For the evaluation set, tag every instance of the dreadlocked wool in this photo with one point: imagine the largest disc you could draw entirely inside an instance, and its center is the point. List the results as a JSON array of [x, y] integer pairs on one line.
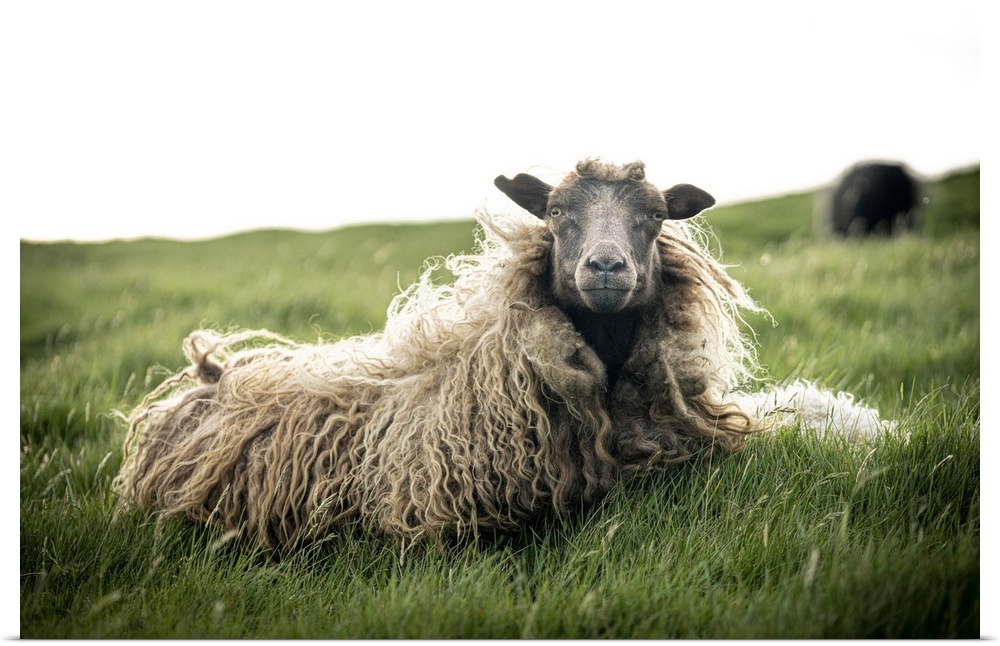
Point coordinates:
[[479, 405]]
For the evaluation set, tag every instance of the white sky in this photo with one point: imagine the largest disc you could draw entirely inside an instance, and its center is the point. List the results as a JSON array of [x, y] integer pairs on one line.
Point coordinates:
[[194, 119]]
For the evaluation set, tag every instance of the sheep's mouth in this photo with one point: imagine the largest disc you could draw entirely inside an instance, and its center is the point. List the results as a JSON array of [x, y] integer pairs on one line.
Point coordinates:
[[605, 300]]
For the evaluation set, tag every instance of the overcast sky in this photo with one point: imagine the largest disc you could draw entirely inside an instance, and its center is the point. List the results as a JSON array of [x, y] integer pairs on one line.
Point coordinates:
[[195, 119]]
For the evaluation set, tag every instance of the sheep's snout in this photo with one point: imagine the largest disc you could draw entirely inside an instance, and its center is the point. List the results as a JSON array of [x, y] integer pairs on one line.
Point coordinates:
[[605, 278], [606, 264]]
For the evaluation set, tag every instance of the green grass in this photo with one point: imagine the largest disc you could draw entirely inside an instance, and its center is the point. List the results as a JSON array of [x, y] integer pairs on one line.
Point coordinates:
[[792, 537]]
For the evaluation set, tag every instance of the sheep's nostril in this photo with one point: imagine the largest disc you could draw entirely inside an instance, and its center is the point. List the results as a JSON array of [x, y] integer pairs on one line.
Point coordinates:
[[605, 264]]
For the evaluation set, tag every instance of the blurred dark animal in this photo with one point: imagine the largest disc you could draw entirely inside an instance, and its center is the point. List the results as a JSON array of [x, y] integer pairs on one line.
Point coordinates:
[[874, 198]]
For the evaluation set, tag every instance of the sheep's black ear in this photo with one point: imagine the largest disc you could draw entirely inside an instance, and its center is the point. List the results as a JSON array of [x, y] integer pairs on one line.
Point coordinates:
[[528, 192], [686, 201]]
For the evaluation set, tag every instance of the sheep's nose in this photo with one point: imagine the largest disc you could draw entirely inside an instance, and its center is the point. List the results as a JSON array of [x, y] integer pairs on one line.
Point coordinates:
[[605, 263], [606, 257]]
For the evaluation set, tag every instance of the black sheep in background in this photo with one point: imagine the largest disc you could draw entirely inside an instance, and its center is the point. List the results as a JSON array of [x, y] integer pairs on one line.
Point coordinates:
[[874, 198]]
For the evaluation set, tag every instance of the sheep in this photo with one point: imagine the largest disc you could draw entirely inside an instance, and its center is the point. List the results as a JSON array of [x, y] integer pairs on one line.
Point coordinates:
[[874, 198], [577, 348]]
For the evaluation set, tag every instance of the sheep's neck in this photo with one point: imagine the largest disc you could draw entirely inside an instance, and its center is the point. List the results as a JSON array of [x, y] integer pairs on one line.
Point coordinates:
[[612, 336]]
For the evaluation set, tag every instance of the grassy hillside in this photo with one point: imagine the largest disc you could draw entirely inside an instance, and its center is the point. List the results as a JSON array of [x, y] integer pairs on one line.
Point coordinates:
[[793, 537]]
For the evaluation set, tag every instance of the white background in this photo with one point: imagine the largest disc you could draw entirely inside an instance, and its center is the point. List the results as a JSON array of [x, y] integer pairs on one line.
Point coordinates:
[[194, 119]]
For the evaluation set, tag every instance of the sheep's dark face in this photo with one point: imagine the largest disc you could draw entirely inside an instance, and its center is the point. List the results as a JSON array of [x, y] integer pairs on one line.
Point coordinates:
[[605, 233], [605, 221]]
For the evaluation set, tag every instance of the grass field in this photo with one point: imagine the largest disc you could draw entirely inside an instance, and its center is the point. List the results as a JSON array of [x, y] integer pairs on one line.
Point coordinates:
[[792, 537]]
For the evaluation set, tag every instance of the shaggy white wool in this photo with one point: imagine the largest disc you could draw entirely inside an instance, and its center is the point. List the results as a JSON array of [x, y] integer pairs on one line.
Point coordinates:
[[815, 409]]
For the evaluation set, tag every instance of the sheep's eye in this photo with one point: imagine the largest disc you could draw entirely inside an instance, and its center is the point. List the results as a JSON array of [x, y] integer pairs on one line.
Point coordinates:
[[555, 212], [659, 216]]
